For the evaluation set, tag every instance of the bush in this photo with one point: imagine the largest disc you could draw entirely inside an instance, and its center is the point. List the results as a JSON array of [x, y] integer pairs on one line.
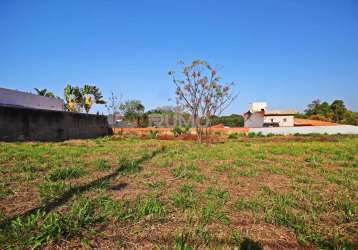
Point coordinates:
[[251, 134], [233, 136], [152, 134], [177, 130]]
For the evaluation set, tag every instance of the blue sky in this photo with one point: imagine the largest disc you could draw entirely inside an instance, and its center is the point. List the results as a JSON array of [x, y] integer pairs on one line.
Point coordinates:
[[285, 52]]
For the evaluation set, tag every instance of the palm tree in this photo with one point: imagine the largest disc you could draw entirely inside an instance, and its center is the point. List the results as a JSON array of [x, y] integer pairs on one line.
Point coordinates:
[[90, 95], [73, 98], [44, 92], [78, 98]]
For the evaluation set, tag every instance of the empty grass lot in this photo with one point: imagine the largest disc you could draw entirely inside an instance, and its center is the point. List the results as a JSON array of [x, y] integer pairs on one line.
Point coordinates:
[[245, 193]]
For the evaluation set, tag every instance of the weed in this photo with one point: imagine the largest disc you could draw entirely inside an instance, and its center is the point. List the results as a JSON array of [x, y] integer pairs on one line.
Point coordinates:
[[217, 194], [243, 203], [182, 241], [235, 238], [22, 227], [81, 214], [187, 188], [117, 210], [50, 191], [251, 134], [347, 209], [152, 134], [4, 189], [157, 184], [65, 173], [185, 171], [203, 233], [177, 130], [233, 136], [212, 212], [26, 167], [185, 198], [101, 164], [129, 167], [286, 217], [251, 172], [314, 160], [149, 206]]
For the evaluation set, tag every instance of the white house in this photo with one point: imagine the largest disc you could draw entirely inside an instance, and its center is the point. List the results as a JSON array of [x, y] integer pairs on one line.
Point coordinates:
[[259, 116], [11, 97]]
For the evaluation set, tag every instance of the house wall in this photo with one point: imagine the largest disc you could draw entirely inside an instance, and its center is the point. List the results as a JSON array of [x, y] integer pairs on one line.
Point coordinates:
[[24, 124], [18, 98], [258, 106], [283, 120], [255, 120]]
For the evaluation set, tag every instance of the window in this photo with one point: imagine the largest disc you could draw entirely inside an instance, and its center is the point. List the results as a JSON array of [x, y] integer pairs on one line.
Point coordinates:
[[284, 119]]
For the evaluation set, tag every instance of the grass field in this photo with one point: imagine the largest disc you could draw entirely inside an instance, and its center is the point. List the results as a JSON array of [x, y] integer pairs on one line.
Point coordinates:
[[248, 193]]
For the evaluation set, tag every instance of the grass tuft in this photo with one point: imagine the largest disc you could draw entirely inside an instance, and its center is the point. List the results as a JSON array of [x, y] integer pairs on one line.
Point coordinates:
[[66, 173]]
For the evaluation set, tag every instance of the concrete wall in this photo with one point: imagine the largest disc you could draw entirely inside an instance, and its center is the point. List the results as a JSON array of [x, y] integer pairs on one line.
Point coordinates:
[[255, 120], [23, 99], [46, 125], [339, 129], [282, 120]]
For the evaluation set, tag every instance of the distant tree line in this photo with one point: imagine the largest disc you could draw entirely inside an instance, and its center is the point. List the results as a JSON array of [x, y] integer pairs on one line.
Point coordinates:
[[232, 120], [335, 112]]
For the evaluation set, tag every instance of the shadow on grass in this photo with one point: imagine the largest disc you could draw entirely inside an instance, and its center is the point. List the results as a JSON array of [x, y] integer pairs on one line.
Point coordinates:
[[66, 196], [249, 244]]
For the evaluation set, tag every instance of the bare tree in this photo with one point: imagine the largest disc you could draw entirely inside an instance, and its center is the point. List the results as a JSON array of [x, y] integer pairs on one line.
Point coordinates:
[[199, 91], [113, 105]]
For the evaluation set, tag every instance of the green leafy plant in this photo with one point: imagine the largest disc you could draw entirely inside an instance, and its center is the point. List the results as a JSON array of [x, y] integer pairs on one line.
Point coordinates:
[[152, 134]]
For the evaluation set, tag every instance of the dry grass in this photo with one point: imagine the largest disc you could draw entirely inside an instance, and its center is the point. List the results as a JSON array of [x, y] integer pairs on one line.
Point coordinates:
[[272, 193]]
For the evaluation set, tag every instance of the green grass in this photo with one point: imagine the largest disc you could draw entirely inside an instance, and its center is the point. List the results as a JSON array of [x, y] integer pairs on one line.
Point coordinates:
[[5, 189], [50, 191], [102, 165], [296, 192], [66, 173], [185, 198], [150, 205]]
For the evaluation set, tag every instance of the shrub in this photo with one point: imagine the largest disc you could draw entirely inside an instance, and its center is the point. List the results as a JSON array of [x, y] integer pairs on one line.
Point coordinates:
[[251, 134], [152, 134], [177, 130], [233, 136]]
